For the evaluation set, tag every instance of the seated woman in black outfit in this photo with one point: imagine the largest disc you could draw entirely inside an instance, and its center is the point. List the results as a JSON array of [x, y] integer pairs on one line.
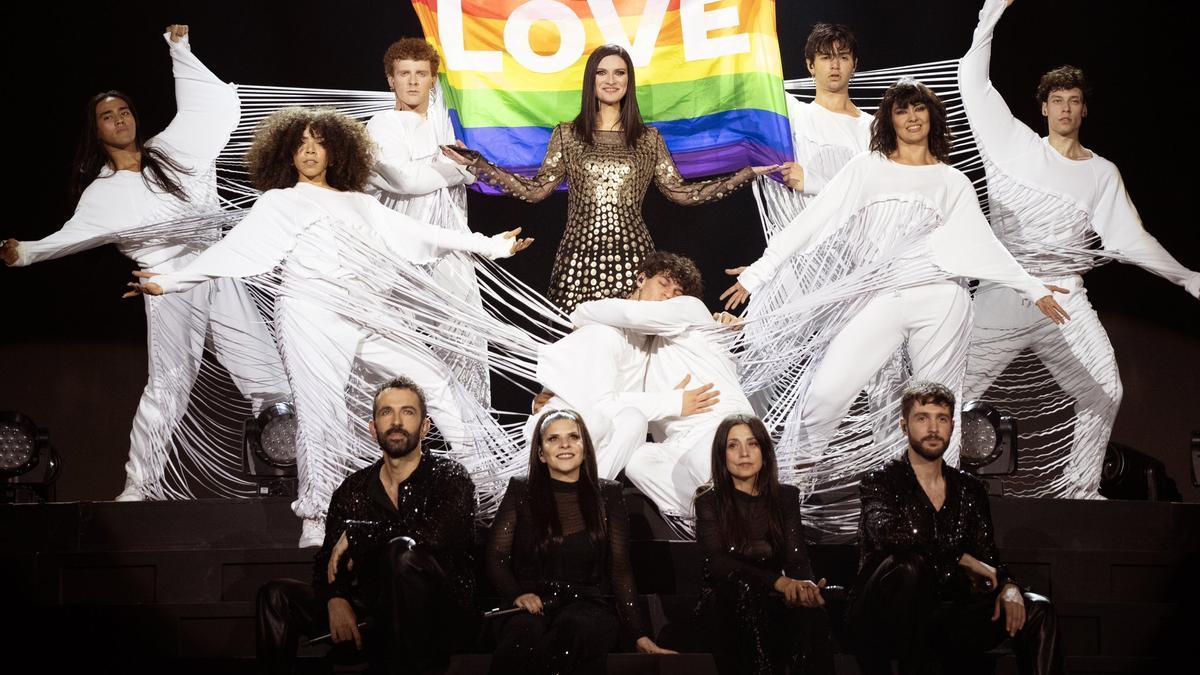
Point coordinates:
[[559, 548], [760, 609]]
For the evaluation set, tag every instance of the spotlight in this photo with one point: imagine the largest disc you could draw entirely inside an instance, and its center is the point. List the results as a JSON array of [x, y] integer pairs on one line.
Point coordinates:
[[1129, 474], [28, 463], [270, 450], [989, 440]]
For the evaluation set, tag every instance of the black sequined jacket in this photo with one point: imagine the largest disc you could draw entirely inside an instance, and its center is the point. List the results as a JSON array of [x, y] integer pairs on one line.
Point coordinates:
[[897, 517], [435, 508]]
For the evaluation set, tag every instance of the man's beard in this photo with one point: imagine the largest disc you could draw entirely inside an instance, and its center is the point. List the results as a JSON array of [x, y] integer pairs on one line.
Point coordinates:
[[918, 445], [400, 447]]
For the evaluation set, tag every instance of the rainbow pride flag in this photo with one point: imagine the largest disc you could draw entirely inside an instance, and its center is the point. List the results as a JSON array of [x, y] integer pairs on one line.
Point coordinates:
[[708, 72]]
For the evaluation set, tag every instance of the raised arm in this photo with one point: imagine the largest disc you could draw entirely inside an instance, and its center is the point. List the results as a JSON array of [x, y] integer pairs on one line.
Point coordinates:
[[999, 133], [207, 109], [675, 188], [535, 189], [1120, 228]]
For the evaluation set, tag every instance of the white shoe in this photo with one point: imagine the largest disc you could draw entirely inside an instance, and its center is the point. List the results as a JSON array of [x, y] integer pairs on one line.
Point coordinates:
[[312, 533], [131, 493]]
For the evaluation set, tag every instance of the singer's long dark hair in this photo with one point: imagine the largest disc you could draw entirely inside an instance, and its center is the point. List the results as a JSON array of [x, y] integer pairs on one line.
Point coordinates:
[[547, 528], [159, 171], [589, 107]]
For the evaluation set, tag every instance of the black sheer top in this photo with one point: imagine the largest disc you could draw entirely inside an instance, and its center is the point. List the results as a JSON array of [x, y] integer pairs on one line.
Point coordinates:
[[758, 558], [515, 568], [897, 517]]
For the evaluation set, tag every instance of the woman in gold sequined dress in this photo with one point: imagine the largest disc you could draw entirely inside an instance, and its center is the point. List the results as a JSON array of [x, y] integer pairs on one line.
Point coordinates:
[[609, 157]]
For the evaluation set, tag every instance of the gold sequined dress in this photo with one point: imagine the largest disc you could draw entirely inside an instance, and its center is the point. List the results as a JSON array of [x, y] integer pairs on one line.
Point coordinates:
[[606, 237]]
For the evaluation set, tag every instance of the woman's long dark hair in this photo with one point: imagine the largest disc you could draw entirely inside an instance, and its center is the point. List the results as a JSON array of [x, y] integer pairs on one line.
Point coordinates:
[[348, 146], [901, 95], [546, 525], [733, 530], [157, 168], [631, 116]]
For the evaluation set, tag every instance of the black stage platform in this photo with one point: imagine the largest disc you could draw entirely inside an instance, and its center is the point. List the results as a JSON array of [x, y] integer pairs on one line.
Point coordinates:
[[169, 586]]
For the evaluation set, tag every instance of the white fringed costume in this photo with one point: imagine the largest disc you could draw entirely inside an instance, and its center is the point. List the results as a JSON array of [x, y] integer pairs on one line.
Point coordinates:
[[346, 291], [1059, 218], [122, 208]]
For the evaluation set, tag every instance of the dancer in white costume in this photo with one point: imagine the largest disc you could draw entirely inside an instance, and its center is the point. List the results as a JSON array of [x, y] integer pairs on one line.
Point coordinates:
[[826, 133], [925, 213], [128, 186], [681, 339], [1050, 200], [412, 176], [311, 228], [600, 371]]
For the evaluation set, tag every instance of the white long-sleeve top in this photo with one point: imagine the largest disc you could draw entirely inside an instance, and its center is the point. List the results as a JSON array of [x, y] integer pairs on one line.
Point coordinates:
[[278, 229], [409, 166], [824, 140], [598, 370], [962, 246], [119, 201], [685, 342], [1092, 186]]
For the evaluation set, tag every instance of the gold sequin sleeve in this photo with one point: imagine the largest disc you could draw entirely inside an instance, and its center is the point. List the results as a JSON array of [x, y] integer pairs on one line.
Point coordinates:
[[675, 188], [535, 189]]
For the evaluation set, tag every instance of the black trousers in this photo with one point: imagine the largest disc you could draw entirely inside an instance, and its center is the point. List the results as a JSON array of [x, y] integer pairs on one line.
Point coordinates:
[[572, 638], [752, 630], [895, 612], [413, 626]]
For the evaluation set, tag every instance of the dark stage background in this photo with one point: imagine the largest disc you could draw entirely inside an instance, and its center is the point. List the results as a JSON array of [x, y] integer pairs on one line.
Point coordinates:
[[73, 353]]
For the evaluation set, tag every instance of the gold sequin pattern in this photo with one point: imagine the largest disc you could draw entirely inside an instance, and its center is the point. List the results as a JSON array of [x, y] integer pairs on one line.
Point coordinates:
[[606, 238]]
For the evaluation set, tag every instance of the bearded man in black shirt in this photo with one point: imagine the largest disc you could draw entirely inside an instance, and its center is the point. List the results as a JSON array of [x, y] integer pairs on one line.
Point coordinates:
[[398, 540], [931, 589]]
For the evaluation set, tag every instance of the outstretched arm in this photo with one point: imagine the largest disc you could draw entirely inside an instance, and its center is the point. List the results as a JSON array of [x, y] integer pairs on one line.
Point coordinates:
[[1120, 228], [535, 189], [648, 317], [680, 191]]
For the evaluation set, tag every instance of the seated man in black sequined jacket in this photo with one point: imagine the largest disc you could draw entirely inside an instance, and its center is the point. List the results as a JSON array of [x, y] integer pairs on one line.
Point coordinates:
[[396, 557], [931, 590]]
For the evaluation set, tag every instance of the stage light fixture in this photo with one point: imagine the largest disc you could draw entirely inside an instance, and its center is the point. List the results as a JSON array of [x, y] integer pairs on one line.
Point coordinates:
[[28, 463], [269, 455], [989, 440], [1129, 474]]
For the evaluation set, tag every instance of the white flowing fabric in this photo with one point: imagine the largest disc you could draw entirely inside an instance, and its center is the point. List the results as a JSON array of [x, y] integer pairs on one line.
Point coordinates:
[[859, 284], [412, 176], [187, 429], [1060, 218], [348, 290]]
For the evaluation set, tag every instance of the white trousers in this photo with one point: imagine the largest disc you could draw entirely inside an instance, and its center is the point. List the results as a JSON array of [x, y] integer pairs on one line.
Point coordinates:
[[319, 349], [668, 472], [1078, 355], [176, 328], [933, 320]]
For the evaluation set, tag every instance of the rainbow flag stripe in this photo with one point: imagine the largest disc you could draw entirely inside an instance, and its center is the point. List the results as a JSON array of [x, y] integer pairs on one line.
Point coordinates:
[[708, 71]]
